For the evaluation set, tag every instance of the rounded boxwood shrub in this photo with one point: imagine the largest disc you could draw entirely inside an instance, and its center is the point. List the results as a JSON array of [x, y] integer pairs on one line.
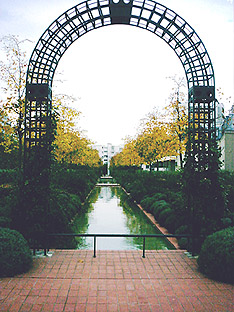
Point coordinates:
[[216, 259], [164, 215], [16, 256], [158, 207], [159, 196], [183, 241], [171, 222], [183, 229], [147, 202]]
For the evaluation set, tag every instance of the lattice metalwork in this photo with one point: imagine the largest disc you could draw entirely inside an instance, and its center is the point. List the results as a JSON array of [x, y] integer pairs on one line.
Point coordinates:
[[149, 15], [145, 14], [201, 119]]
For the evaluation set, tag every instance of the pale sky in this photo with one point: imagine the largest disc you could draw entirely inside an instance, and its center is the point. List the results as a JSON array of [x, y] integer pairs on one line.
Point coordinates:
[[119, 73]]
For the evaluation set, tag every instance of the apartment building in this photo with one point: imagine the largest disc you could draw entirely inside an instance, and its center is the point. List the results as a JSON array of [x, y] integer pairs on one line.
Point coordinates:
[[106, 152]]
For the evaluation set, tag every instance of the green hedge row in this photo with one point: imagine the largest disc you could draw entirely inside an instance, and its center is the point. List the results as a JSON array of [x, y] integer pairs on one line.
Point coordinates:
[[24, 211], [77, 180], [70, 187], [144, 183], [161, 193]]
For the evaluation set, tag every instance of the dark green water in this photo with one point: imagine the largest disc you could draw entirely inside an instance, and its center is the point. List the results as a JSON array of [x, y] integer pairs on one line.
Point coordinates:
[[109, 211]]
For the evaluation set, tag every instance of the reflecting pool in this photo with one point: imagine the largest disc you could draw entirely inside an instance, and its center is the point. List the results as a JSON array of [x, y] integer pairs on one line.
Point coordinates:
[[109, 210]]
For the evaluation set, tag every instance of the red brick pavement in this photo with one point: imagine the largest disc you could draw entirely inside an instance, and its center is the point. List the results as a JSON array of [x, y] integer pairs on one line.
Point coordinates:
[[164, 281]]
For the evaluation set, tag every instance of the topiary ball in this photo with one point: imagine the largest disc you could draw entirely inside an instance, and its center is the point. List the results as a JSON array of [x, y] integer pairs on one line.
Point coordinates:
[[158, 207], [164, 215], [15, 255], [216, 259]]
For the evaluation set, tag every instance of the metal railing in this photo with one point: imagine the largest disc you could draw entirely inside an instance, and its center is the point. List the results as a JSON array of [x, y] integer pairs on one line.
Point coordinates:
[[95, 236]]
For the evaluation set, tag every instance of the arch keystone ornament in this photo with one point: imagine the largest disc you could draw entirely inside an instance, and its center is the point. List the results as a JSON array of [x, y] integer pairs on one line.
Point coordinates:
[[145, 14]]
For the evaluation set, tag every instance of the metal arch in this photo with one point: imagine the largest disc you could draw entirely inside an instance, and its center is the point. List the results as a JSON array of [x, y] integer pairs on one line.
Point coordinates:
[[145, 14]]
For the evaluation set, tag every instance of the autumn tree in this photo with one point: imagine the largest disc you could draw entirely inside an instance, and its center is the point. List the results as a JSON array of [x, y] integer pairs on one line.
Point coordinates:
[[155, 139], [128, 156], [177, 115], [70, 145], [13, 68], [160, 134]]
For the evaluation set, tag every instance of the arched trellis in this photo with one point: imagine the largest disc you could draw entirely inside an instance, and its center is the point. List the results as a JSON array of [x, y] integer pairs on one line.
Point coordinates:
[[145, 14]]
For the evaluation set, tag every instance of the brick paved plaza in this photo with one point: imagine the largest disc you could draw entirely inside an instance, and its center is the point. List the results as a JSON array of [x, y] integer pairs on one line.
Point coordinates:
[[115, 281]]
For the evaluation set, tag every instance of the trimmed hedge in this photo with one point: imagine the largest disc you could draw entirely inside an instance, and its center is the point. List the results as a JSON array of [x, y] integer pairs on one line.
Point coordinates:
[[52, 208], [164, 215], [158, 207], [78, 180], [216, 259], [16, 256]]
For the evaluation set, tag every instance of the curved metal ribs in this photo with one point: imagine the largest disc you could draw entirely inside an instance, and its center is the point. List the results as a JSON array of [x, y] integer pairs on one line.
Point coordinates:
[[145, 14]]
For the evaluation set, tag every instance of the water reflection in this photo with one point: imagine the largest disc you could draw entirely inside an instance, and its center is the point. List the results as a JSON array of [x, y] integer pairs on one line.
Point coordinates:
[[109, 211]]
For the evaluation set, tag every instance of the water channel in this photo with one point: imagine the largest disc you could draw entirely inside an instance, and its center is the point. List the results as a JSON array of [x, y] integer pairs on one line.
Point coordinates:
[[108, 210]]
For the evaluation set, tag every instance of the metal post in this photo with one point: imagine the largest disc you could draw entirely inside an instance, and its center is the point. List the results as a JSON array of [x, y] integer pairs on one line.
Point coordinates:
[[143, 256], [94, 246]]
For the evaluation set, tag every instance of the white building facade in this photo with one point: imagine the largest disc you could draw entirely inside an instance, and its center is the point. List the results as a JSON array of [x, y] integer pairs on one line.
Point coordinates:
[[106, 152]]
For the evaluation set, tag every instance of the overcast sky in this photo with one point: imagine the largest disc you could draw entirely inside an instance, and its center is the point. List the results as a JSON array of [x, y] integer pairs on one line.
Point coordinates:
[[119, 73]]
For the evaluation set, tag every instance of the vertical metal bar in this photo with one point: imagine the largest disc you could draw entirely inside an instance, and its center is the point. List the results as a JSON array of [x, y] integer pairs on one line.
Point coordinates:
[[143, 256], [94, 246]]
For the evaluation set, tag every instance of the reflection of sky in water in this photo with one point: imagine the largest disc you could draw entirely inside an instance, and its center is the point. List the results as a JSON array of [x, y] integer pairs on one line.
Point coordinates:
[[106, 215]]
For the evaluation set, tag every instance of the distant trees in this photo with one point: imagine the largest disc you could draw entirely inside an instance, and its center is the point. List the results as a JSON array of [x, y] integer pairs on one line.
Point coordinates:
[[128, 156], [161, 134], [157, 139], [177, 111], [70, 145]]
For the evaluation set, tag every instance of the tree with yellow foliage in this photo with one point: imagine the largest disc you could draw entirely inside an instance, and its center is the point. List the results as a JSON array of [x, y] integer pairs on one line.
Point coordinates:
[[160, 135], [128, 156], [13, 73], [177, 115], [155, 139], [70, 146]]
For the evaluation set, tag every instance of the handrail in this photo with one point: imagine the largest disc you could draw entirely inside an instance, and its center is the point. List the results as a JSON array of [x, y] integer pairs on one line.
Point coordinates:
[[116, 235]]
